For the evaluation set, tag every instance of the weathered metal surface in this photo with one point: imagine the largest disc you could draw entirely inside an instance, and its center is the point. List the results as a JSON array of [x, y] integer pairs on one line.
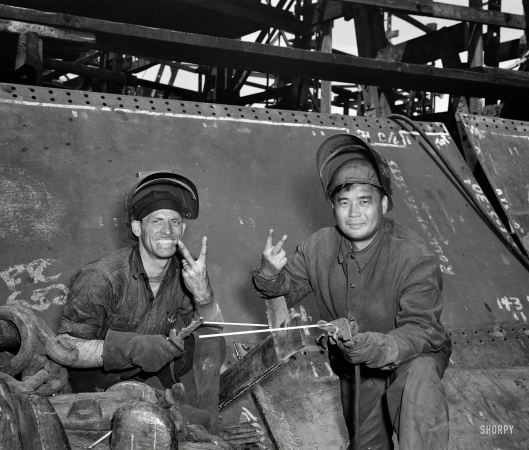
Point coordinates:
[[502, 148], [39, 424], [68, 155], [300, 403], [488, 408], [490, 346], [259, 362]]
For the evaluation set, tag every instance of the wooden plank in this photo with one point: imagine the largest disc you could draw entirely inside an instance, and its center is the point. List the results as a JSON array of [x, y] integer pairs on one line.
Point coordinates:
[[251, 11], [28, 62], [428, 47], [44, 32], [115, 76], [421, 26], [430, 8], [371, 37], [475, 55], [326, 86], [200, 49], [507, 50], [328, 10]]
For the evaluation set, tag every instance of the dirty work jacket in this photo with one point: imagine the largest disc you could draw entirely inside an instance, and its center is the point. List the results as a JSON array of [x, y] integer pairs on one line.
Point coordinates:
[[392, 286], [114, 293]]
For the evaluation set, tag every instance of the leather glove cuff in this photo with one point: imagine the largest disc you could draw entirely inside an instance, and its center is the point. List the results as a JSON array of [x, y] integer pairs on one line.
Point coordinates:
[[117, 350], [387, 354]]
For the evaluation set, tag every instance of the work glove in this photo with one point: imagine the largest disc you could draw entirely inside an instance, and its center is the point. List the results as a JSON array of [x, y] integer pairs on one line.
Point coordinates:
[[122, 350], [373, 349]]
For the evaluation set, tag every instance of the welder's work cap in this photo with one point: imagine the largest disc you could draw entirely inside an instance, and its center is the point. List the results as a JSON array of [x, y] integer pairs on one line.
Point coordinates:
[[345, 159], [161, 190]]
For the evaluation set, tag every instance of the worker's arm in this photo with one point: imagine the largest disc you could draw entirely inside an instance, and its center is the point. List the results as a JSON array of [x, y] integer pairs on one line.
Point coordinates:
[[277, 275], [418, 326], [419, 329], [90, 351], [90, 301], [87, 306], [196, 280]]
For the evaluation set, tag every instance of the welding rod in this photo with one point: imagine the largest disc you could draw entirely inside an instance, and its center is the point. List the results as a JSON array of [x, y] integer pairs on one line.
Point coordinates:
[[237, 324], [99, 440], [203, 336]]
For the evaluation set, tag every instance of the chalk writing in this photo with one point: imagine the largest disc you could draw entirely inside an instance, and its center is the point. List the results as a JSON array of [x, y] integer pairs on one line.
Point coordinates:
[[411, 203], [513, 305], [505, 205], [27, 209], [364, 135], [401, 139], [441, 141], [482, 198], [42, 297]]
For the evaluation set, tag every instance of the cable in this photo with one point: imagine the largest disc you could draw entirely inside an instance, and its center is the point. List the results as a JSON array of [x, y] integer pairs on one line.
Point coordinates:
[[466, 188]]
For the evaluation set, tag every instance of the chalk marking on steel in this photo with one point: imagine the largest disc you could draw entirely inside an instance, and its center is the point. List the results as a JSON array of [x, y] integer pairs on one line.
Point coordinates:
[[184, 116], [446, 213], [426, 209], [314, 369], [200, 117]]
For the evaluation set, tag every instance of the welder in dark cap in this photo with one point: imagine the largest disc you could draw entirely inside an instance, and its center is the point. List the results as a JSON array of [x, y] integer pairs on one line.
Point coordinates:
[[121, 308], [382, 274]]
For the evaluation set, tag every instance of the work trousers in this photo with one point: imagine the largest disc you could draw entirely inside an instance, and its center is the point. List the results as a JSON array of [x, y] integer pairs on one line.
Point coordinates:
[[409, 400], [198, 369]]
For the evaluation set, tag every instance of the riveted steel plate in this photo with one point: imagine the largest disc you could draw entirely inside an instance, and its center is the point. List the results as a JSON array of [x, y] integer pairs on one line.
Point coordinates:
[[68, 155], [502, 148]]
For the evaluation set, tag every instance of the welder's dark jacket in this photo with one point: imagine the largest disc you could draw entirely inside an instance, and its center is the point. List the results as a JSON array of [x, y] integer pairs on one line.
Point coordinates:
[[114, 293], [392, 286]]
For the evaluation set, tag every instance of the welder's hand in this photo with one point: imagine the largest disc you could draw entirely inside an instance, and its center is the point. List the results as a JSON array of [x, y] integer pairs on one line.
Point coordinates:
[[274, 257], [195, 273], [122, 350], [373, 349]]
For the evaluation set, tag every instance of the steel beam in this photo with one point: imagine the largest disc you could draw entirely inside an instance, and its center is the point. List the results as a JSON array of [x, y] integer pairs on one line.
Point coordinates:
[[219, 52]]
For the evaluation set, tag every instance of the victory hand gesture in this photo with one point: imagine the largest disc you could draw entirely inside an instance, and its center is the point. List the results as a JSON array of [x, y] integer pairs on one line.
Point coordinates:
[[274, 257], [195, 273]]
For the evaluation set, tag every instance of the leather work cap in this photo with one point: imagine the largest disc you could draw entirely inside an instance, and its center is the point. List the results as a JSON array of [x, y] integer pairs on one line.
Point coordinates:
[[346, 159], [160, 190]]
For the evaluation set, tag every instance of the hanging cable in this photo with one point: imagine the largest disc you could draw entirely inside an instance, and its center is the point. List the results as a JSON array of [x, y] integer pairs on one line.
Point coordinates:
[[466, 188]]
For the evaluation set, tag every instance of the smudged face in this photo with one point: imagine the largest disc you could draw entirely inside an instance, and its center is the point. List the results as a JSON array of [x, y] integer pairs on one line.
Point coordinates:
[[159, 232], [358, 210]]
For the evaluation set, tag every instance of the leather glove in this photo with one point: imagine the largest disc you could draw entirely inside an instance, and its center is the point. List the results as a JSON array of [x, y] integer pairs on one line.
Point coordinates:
[[373, 349], [122, 350]]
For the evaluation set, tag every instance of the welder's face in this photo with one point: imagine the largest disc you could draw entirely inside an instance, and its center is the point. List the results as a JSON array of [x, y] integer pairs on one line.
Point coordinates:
[[159, 232], [358, 210]]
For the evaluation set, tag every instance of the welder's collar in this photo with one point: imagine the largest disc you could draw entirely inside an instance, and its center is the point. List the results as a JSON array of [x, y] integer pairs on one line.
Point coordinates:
[[363, 256]]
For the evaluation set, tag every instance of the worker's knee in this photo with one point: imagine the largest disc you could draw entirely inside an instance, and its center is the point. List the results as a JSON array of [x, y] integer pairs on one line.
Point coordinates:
[[422, 368], [422, 384]]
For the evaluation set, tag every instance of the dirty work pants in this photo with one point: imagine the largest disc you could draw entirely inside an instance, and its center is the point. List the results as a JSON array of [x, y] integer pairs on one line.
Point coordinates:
[[409, 400], [198, 369]]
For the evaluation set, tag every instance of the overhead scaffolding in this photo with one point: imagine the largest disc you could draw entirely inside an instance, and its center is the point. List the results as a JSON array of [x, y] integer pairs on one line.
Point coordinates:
[[231, 45]]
